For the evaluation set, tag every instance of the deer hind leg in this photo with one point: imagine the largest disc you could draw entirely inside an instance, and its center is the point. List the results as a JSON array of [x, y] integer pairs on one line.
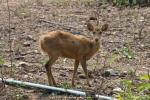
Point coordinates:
[[84, 66], [48, 70], [76, 64]]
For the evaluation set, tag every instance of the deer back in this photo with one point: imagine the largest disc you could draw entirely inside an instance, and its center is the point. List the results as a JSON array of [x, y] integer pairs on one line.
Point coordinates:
[[65, 44]]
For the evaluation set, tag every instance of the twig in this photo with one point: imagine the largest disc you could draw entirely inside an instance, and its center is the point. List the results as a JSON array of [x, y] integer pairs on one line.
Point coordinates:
[[9, 35], [141, 29], [3, 82]]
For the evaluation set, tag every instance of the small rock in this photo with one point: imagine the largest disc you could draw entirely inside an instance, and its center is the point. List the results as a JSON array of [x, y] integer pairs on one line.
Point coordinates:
[[82, 76], [22, 64], [95, 81], [93, 18], [1, 85], [113, 33], [142, 19], [29, 37], [25, 97], [110, 72], [123, 74], [79, 87], [25, 76], [78, 82], [145, 67], [109, 10], [62, 74], [19, 57], [148, 55], [117, 89], [36, 51], [7, 64], [26, 44], [79, 72], [65, 60]]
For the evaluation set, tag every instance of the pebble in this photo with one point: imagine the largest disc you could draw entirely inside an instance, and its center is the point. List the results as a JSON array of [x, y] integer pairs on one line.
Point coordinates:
[[26, 44], [148, 55], [62, 74], [25, 76], [123, 74], [23, 64], [82, 76], [110, 72], [117, 89], [29, 37]]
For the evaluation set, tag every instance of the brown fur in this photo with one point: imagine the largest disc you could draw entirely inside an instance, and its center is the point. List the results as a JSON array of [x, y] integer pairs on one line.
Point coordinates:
[[64, 44]]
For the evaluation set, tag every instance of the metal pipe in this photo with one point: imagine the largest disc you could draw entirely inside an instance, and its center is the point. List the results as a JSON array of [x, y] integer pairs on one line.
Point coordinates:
[[75, 92]]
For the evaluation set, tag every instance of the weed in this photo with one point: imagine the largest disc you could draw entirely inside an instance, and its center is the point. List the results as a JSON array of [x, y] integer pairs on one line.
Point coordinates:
[[1, 60], [89, 98], [113, 58], [128, 2], [132, 73], [59, 2], [135, 92], [88, 3], [22, 12], [127, 52], [20, 96], [65, 85]]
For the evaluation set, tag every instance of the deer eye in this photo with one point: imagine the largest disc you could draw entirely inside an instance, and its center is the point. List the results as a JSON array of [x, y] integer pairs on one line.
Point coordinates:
[[94, 32]]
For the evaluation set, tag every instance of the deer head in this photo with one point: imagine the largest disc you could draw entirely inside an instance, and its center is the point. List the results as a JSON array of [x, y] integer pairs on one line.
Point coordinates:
[[97, 31]]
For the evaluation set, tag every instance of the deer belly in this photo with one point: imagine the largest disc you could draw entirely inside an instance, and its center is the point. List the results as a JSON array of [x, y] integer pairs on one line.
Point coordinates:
[[68, 55]]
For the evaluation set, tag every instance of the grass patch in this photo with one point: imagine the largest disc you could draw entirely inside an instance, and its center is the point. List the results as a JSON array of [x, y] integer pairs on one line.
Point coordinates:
[[22, 12]]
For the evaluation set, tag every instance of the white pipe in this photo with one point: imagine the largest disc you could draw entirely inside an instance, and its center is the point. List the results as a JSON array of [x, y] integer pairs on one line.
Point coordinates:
[[75, 92]]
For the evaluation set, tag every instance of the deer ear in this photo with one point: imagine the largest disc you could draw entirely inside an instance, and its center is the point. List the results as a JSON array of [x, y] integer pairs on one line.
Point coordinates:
[[90, 27], [104, 27]]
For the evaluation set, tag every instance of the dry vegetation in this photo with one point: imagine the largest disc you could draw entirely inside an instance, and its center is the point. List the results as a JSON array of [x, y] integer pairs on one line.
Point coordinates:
[[125, 47]]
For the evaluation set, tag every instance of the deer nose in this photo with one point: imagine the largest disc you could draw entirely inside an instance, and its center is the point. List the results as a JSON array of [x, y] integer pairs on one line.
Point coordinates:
[[96, 40]]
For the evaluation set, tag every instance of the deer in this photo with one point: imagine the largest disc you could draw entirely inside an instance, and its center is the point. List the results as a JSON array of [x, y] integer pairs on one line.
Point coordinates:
[[73, 46]]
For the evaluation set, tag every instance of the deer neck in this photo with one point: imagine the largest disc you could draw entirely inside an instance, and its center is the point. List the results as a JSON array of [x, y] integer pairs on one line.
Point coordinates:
[[96, 44]]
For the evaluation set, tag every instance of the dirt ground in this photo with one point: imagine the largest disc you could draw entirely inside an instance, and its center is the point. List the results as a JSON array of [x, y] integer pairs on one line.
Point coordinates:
[[128, 28]]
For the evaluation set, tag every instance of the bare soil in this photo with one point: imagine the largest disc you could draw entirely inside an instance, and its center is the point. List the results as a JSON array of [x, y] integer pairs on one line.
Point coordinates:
[[28, 22]]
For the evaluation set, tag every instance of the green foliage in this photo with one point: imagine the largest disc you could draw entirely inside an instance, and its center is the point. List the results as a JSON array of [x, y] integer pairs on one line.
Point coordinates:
[[1, 60], [65, 85], [135, 92], [144, 86], [125, 2], [20, 96], [132, 72], [89, 98], [87, 2], [127, 52], [120, 2], [113, 58], [59, 2], [145, 77], [22, 11]]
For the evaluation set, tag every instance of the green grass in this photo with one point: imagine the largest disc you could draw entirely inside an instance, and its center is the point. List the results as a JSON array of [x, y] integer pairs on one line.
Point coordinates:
[[22, 12], [132, 91]]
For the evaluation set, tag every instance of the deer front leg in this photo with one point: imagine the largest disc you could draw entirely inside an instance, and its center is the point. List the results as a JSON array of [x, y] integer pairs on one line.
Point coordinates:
[[49, 72], [76, 64], [84, 66]]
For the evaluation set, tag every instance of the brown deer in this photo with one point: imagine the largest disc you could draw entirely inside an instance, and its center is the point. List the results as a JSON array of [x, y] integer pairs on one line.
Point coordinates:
[[64, 44]]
